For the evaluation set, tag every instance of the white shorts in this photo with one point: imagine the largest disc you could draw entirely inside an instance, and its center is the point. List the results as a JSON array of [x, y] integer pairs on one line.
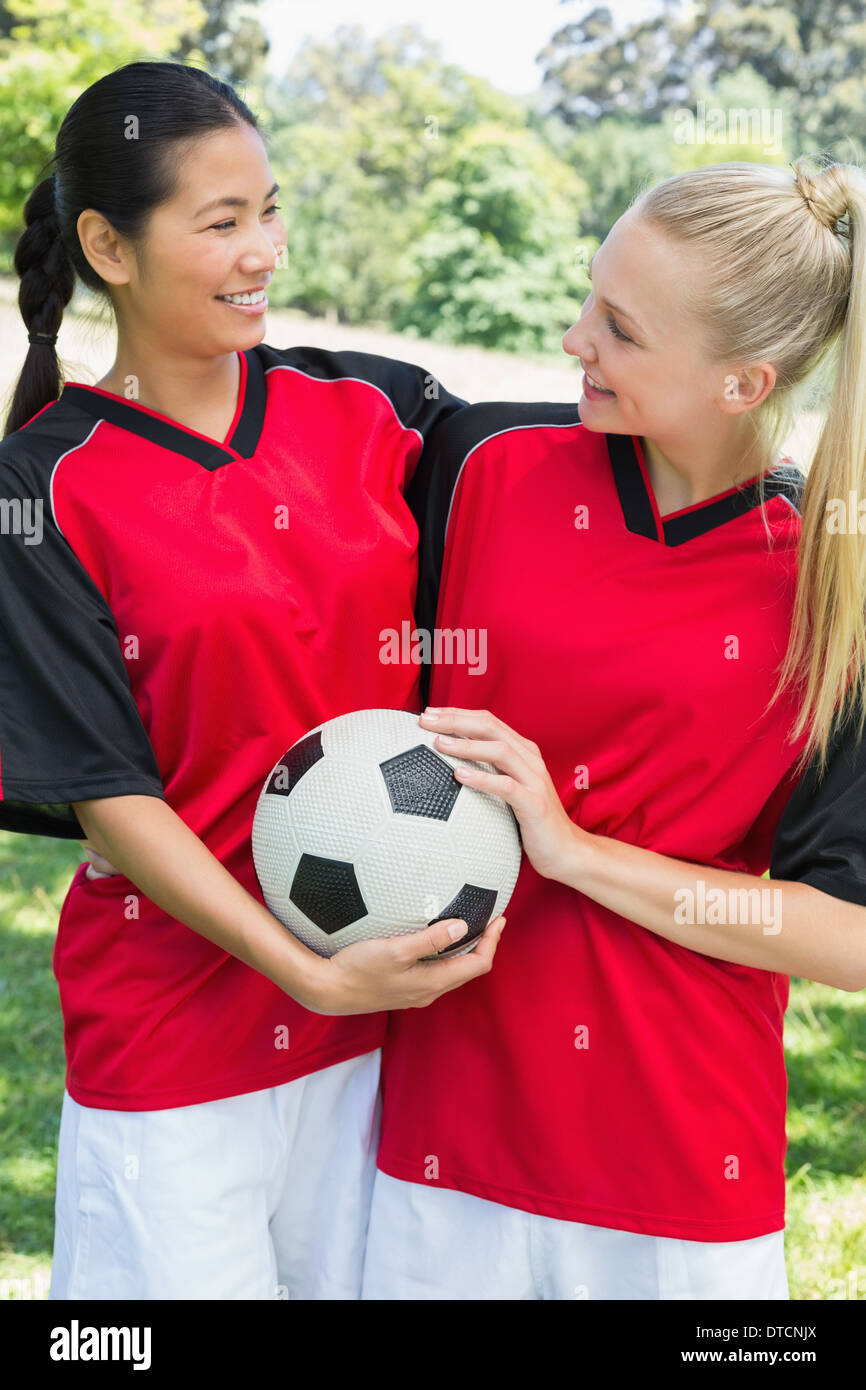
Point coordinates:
[[258, 1196], [435, 1243]]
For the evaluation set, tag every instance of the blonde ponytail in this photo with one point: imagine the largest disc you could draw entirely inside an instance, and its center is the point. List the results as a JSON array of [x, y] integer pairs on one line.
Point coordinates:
[[827, 649], [786, 284]]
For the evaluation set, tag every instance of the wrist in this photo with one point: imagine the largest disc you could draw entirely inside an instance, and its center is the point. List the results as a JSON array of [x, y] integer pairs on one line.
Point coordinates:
[[310, 980], [577, 857]]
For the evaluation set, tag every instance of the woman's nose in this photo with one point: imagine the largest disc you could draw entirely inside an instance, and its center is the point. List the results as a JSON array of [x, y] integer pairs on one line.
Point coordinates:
[[570, 340]]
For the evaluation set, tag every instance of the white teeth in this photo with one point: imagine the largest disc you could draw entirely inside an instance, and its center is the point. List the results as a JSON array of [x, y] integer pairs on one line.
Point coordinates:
[[596, 385], [255, 298]]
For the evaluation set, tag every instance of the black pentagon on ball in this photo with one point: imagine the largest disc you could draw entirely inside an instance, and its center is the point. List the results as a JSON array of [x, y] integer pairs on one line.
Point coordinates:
[[327, 891], [420, 783], [474, 905], [290, 769]]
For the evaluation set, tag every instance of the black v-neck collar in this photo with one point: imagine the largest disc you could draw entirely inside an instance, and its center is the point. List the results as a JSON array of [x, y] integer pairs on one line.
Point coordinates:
[[641, 513], [244, 432]]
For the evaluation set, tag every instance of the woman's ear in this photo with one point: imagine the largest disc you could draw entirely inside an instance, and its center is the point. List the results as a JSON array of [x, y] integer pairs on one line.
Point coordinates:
[[746, 388]]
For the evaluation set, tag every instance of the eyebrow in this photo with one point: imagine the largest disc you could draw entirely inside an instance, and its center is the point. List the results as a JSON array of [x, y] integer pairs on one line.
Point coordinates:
[[625, 313], [232, 202]]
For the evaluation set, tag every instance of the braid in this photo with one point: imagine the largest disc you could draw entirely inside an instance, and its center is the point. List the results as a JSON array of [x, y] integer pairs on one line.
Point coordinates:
[[47, 284], [47, 277]]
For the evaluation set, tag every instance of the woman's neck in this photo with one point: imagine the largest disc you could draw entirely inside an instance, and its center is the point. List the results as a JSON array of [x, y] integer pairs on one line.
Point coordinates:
[[676, 486]]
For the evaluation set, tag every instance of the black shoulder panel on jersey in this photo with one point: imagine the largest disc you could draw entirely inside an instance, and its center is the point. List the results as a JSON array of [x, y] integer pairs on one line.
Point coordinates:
[[418, 397], [70, 729], [786, 480], [821, 836], [432, 489]]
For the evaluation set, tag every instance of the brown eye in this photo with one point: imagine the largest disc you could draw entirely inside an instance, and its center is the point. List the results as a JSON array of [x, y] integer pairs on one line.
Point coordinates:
[[221, 226]]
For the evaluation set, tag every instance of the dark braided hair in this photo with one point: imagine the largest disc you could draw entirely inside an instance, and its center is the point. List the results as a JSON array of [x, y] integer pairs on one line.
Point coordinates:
[[97, 165]]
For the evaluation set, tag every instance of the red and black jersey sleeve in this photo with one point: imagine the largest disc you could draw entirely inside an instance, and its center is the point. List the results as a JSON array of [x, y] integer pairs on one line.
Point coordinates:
[[70, 724], [434, 486], [417, 397], [821, 836], [70, 729]]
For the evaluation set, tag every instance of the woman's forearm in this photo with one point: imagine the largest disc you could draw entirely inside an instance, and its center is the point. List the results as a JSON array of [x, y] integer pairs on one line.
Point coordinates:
[[771, 924], [150, 844]]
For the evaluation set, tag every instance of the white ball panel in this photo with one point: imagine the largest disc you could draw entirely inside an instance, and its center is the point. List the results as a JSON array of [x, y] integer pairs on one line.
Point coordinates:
[[337, 806], [341, 810], [433, 878], [275, 851], [376, 734], [485, 836]]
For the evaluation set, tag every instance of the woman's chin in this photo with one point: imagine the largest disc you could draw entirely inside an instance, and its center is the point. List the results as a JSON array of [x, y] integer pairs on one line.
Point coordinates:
[[592, 417]]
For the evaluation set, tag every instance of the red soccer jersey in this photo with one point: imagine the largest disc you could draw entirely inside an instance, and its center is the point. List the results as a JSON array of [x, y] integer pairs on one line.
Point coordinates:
[[600, 1073], [187, 610]]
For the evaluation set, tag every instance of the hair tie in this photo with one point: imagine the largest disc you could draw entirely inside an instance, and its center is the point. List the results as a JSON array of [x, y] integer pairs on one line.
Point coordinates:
[[48, 339], [806, 187]]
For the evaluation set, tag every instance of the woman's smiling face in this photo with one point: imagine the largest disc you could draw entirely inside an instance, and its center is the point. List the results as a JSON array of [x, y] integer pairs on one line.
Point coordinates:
[[637, 337], [198, 248]]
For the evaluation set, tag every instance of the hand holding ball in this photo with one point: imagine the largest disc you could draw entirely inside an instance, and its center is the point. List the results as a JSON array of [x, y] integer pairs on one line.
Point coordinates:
[[361, 830]]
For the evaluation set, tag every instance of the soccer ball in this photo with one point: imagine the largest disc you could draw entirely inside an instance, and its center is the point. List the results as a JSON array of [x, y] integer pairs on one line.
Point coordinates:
[[361, 830]]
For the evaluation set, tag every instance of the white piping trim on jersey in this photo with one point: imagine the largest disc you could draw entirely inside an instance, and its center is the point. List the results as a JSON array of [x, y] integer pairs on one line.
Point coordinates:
[[785, 498], [542, 426], [509, 430], [332, 381], [99, 422]]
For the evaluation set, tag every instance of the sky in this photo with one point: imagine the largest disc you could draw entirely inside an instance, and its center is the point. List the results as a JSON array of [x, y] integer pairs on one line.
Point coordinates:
[[498, 41]]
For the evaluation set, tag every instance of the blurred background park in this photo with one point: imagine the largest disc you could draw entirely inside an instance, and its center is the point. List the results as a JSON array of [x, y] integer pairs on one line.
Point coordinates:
[[445, 174]]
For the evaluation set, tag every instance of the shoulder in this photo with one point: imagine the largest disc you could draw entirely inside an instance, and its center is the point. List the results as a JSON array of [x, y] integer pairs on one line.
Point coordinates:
[[821, 836], [29, 454], [25, 460], [29, 460], [845, 763], [404, 384], [510, 421], [787, 480]]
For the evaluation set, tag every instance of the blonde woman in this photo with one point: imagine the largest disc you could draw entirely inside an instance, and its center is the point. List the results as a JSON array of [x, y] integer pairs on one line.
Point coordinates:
[[603, 1116]]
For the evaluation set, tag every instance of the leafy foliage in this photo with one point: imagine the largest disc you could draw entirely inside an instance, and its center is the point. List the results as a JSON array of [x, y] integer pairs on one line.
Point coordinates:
[[418, 197]]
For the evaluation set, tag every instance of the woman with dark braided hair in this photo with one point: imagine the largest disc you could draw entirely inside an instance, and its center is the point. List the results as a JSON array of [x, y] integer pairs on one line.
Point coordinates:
[[222, 536]]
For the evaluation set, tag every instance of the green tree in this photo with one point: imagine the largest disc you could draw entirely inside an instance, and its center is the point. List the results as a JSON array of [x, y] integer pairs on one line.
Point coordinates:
[[362, 127], [618, 157], [56, 48], [755, 124], [813, 51], [399, 169], [593, 67], [500, 263], [231, 42], [51, 50]]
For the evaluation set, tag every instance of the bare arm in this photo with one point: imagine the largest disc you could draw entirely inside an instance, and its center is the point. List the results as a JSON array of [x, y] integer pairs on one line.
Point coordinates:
[[143, 838], [777, 924], [771, 924]]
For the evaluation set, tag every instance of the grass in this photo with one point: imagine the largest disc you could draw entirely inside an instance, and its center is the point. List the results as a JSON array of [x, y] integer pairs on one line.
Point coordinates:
[[825, 1044], [34, 874]]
